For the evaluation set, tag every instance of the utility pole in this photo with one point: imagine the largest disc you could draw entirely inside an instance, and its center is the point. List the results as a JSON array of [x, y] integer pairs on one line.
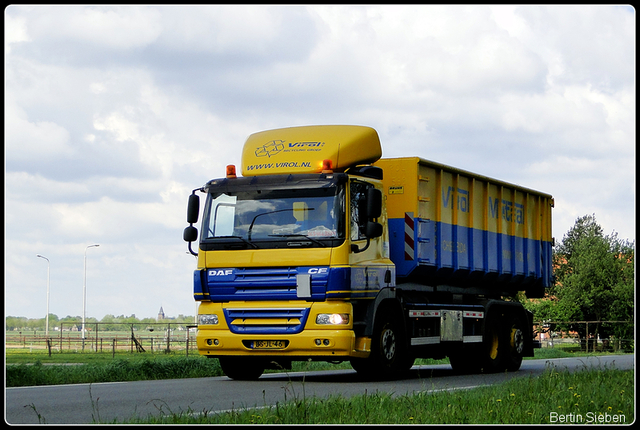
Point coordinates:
[[46, 330]]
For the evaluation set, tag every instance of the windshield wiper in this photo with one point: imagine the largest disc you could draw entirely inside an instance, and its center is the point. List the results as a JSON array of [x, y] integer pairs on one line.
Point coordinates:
[[300, 236], [235, 237]]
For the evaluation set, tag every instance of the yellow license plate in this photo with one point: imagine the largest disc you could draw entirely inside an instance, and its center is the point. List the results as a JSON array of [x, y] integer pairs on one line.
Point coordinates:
[[268, 344]]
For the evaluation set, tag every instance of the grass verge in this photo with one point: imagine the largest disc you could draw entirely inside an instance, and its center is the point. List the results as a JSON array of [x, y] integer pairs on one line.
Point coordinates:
[[136, 367], [133, 369], [602, 396]]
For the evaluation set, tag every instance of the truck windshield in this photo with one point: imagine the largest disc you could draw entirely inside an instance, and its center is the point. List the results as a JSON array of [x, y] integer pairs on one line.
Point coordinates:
[[273, 219]]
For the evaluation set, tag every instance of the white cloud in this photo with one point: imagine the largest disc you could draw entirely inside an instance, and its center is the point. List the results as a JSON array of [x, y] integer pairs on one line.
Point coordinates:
[[238, 30], [33, 139], [15, 31], [585, 44], [122, 27]]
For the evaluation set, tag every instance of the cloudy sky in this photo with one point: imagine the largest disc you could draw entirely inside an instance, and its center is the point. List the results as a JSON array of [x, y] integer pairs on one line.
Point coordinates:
[[114, 114]]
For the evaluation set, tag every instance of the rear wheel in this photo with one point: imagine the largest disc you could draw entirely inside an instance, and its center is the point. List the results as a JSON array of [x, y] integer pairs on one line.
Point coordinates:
[[242, 368], [493, 345], [514, 350]]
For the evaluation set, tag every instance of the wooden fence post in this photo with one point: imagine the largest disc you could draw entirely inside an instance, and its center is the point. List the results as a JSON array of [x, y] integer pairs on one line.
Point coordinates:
[[168, 338], [587, 335]]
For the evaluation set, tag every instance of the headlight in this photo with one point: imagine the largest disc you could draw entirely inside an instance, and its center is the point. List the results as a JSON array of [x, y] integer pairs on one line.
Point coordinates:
[[207, 319], [333, 319]]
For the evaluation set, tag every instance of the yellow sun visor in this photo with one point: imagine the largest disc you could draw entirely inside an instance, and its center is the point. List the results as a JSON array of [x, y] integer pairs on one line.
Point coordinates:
[[303, 149]]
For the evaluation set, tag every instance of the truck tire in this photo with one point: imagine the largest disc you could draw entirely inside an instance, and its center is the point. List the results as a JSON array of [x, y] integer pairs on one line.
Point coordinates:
[[515, 332], [389, 352], [242, 368], [494, 344]]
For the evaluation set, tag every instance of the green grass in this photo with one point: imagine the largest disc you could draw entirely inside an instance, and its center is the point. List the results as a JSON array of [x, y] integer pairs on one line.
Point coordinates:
[[21, 356], [28, 369], [605, 393], [115, 370], [587, 396]]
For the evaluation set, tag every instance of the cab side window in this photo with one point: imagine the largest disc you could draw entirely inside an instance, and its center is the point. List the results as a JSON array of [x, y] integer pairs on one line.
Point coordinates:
[[357, 201]]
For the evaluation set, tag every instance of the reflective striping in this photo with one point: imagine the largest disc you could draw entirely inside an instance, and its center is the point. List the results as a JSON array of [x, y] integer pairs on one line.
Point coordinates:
[[474, 314], [471, 339], [437, 313], [416, 313], [409, 243]]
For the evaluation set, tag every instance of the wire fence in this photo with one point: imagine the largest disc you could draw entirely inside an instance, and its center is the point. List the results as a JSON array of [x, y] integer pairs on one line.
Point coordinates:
[[181, 337], [586, 335], [108, 337]]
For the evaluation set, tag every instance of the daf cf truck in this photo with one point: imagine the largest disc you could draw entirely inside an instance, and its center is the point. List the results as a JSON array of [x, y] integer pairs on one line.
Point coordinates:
[[323, 250]]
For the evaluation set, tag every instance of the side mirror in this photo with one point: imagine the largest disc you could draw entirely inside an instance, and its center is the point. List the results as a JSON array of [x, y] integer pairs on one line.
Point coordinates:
[[373, 229], [374, 203], [190, 234], [193, 208]]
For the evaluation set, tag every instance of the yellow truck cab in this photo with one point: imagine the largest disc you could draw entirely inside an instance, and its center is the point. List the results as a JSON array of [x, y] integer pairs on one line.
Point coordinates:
[[322, 250]]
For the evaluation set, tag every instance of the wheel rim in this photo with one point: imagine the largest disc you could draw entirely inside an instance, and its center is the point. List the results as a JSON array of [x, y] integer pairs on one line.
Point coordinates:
[[517, 340], [388, 340], [493, 351]]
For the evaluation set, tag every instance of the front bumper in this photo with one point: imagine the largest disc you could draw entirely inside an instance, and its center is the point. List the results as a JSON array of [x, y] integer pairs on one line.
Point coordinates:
[[311, 341]]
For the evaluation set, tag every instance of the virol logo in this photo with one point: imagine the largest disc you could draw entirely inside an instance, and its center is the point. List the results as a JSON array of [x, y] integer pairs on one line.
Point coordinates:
[[271, 148]]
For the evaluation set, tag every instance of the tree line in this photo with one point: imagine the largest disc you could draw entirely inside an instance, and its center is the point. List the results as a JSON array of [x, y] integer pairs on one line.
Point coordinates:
[[594, 281], [108, 321]]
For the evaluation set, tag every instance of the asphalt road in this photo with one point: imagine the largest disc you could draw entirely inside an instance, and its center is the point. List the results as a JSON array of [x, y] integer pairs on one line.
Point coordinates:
[[106, 402]]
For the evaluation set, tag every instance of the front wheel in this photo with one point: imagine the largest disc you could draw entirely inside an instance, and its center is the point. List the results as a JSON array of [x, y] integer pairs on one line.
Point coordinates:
[[242, 368], [389, 352]]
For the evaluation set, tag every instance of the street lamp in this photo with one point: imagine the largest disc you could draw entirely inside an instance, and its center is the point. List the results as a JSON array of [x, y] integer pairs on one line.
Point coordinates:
[[46, 330], [84, 291]]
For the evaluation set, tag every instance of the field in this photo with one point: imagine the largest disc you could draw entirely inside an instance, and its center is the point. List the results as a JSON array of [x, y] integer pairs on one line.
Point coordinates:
[[106, 338]]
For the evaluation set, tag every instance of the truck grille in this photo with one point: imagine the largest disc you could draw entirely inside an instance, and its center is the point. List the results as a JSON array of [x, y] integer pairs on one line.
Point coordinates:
[[276, 283], [266, 321]]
